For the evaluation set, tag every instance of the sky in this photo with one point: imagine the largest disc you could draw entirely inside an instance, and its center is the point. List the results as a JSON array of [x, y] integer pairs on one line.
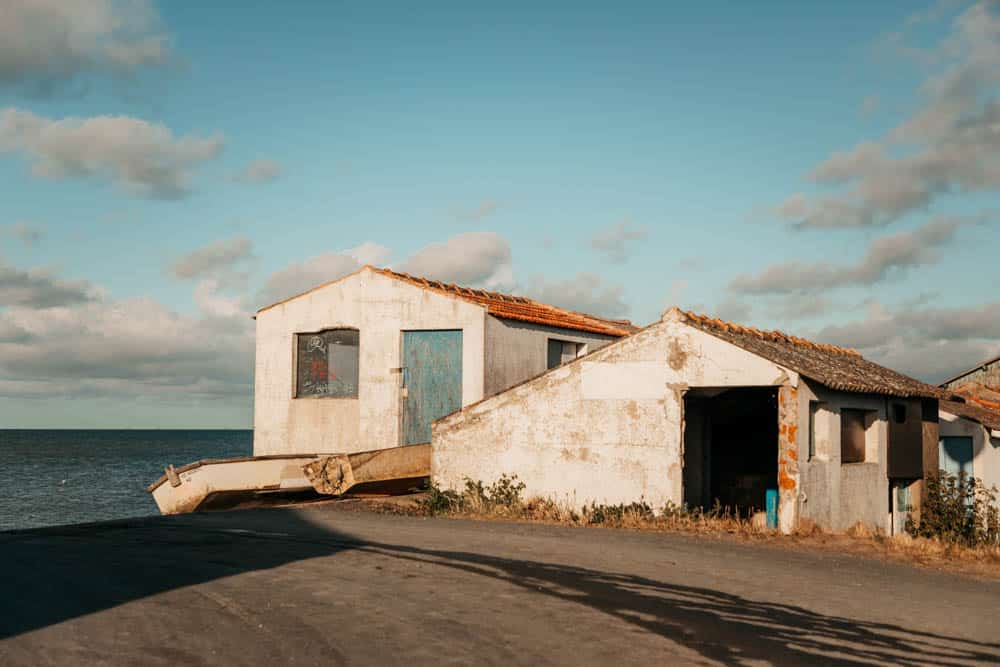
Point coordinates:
[[827, 169]]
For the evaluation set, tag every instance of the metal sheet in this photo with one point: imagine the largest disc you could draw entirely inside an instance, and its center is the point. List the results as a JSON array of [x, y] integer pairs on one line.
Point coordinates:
[[432, 380]]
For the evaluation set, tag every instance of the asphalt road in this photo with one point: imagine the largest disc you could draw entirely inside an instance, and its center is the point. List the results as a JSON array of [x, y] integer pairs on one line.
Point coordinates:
[[322, 585]]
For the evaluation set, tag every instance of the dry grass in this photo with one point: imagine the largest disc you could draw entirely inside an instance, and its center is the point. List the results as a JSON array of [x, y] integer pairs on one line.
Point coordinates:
[[502, 502]]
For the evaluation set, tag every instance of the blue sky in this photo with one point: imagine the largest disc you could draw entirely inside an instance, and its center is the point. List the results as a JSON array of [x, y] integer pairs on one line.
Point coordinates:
[[173, 166]]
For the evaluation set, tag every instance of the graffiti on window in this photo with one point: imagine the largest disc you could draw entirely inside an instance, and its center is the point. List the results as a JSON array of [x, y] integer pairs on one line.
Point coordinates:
[[328, 364]]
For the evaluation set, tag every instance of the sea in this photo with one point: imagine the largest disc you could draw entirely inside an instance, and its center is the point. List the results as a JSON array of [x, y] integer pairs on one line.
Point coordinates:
[[51, 478]]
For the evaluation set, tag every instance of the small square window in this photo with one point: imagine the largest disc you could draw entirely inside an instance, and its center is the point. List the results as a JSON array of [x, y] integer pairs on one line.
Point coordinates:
[[327, 364], [899, 413], [561, 351]]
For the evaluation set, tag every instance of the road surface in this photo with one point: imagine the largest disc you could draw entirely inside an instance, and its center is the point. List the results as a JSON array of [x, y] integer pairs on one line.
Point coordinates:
[[327, 585]]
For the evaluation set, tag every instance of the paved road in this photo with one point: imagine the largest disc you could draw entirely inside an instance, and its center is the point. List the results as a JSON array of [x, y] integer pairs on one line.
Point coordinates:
[[326, 585]]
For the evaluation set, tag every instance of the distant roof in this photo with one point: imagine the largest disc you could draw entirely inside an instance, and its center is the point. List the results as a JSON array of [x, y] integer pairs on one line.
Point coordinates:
[[504, 306], [970, 371], [988, 418], [522, 309], [836, 367], [975, 392]]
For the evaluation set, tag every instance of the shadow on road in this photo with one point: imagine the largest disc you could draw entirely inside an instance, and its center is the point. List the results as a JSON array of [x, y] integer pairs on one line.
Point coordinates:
[[719, 626], [53, 575]]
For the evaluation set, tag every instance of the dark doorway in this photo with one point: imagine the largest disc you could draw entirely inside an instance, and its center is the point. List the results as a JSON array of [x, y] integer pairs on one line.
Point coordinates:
[[730, 447]]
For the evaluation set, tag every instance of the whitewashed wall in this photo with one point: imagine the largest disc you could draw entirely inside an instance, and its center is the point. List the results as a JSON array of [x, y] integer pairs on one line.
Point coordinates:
[[985, 449], [605, 428], [380, 308]]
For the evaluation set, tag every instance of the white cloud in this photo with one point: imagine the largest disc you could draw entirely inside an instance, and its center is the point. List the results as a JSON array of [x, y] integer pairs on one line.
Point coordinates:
[[39, 288], [141, 157], [259, 172], [130, 348], [46, 43], [25, 232], [885, 257], [931, 343], [484, 209], [612, 242], [301, 276], [951, 144], [473, 258], [586, 293], [213, 260]]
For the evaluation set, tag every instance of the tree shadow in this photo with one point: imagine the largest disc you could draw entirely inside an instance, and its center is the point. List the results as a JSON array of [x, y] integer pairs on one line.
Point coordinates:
[[57, 574]]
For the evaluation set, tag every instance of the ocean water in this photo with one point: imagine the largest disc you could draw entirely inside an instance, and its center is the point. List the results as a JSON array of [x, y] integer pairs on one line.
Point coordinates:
[[50, 478]]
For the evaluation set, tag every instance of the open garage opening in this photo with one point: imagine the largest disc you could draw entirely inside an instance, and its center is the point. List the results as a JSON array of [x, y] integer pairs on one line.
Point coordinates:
[[730, 447]]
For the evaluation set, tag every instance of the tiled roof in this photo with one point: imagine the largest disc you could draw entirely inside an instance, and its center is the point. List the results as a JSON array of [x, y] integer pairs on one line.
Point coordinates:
[[836, 367], [522, 309], [988, 418], [975, 392]]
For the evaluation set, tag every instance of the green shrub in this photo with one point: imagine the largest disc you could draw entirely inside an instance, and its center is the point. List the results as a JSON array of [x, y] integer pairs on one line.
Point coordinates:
[[616, 514], [958, 510]]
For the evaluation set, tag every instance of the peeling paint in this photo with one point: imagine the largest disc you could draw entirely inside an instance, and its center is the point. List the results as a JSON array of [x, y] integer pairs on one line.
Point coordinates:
[[677, 355]]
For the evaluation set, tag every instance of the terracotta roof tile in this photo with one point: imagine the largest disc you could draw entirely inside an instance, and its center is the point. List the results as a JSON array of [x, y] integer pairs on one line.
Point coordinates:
[[988, 418], [522, 309], [836, 367]]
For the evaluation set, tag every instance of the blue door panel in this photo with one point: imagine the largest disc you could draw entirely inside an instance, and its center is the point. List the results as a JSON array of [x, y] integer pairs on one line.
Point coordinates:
[[955, 455], [432, 376]]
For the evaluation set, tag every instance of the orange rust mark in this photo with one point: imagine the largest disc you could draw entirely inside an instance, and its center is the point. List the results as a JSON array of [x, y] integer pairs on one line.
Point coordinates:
[[785, 482], [793, 453], [792, 429]]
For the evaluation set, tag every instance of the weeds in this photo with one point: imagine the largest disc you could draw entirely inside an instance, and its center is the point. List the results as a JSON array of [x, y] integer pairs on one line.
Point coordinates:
[[958, 510]]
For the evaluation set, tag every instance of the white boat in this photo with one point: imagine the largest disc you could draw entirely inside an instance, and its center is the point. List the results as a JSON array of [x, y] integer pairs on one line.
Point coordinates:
[[228, 483], [215, 484]]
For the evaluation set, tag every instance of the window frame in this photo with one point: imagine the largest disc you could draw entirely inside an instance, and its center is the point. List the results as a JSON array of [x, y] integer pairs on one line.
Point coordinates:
[[295, 365]]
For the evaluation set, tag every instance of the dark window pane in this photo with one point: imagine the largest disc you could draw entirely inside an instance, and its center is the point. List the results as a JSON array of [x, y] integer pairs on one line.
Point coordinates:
[[328, 364], [852, 436], [555, 352]]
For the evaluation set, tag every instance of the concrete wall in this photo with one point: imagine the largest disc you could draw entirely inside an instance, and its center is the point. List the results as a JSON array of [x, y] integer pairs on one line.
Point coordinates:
[[606, 428], [985, 449], [516, 351], [380, 308], [834, 494]]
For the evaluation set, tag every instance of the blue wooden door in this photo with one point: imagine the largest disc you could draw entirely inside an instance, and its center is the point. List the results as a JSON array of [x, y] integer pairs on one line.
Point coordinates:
[[956, 455], [432, 380]]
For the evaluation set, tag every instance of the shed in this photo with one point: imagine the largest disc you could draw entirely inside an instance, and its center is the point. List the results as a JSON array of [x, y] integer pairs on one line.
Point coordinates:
[[691, 410], [368, 361], [970, 441]]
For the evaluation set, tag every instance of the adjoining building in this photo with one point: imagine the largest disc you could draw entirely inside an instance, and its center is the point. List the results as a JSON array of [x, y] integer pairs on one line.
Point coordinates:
[[970, 442], [970, 427], [692, 409], [370, 360]]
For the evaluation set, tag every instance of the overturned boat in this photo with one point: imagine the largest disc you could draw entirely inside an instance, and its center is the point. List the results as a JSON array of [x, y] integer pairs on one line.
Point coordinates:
[[253, 481]]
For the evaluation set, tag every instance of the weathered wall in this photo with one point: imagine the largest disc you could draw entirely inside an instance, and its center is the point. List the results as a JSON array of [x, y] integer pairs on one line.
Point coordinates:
[[380, 308], [835, 494], [985, 449], [989, 375], [516, 351], [605, 428]]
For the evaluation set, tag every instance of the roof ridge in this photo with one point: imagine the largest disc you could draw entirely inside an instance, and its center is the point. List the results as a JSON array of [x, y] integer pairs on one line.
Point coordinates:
[[773, 335], [515, 307]]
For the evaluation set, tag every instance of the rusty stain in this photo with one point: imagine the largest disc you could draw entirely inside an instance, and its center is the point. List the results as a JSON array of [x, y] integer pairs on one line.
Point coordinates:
[[785, 481], [677, 357], [632, 409], [792, 430]]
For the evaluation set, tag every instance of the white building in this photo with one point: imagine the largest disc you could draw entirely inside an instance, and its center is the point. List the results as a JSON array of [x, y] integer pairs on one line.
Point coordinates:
[[692, 409], [370, 360], [970, 441]]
